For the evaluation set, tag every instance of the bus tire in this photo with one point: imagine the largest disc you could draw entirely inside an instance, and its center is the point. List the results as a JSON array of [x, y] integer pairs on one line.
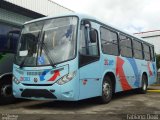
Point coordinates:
[[107, 90], [6, 96], [143, 89]]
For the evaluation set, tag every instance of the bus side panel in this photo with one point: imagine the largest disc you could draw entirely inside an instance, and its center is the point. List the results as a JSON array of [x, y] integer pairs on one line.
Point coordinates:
[[109, 66], [151, 67], [125, 74], [125, 71], [129, 73], [154, 73], [137, 69], [90, 80]]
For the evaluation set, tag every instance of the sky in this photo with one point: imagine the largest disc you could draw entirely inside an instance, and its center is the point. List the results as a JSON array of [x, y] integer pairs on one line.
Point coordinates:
[[129, 15]]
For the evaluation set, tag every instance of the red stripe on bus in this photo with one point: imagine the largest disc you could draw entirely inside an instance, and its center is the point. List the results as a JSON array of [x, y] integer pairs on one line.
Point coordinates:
[[120, 72]]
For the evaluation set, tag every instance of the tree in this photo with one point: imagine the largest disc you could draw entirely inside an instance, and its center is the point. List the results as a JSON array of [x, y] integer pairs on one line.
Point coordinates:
[[158, 60]]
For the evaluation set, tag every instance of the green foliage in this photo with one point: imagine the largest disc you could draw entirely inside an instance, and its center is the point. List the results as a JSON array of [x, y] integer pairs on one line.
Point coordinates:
[[158, 60]]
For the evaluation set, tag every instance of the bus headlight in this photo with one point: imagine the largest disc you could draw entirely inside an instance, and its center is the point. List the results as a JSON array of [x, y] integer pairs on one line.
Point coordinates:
[[15, 80], [66, 78]]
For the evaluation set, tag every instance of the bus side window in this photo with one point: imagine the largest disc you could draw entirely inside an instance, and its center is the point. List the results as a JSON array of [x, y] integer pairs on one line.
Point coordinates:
[[89, 47], [125, 46], [152, 53], [146, 51], [109, 42], [137, 49], [93, 45]]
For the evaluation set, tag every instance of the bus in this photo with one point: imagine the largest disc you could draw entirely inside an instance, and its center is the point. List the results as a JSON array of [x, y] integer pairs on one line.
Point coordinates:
[[8, 46], [75, 57]]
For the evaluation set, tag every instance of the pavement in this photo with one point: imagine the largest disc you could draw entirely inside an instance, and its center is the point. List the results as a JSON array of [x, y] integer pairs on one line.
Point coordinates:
[[156, 86], [124, 106]]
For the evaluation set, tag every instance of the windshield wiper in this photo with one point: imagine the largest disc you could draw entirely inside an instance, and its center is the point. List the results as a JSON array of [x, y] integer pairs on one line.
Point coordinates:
[[48, 56], [43, 46]]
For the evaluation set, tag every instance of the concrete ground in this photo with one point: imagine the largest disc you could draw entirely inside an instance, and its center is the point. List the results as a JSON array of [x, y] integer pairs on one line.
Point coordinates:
[[122, 107]]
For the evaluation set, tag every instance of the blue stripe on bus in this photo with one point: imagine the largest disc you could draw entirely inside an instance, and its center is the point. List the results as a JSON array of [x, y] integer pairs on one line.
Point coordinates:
[[43, 75], [154, 68]]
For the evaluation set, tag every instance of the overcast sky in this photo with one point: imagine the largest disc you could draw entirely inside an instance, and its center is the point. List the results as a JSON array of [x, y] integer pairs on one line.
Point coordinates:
[[130, 15]]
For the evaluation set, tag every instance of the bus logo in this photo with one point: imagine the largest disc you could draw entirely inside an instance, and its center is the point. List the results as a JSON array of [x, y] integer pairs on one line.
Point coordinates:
[[35, 80]]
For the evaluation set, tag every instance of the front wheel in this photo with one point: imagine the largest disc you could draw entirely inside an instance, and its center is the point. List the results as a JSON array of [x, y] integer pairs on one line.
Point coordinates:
[[107, 90], [6, 95]]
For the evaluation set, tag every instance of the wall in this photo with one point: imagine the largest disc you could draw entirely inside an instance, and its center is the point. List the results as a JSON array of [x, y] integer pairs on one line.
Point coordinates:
[[152, 37], [45, 7]]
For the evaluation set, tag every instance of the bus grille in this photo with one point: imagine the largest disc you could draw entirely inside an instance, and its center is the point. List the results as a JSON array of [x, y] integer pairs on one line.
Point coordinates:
[[38, 93], [37, 84]]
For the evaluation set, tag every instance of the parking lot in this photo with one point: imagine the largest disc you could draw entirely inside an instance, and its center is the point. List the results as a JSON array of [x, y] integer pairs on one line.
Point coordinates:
[[122, 105]]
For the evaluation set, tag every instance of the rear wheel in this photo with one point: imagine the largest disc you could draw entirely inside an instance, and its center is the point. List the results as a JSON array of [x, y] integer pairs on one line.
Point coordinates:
[[6, 95], [144, 86], [107, 90]]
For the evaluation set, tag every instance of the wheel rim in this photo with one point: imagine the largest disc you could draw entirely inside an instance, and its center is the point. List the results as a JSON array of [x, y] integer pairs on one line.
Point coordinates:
[[106, 89], [6, 91]]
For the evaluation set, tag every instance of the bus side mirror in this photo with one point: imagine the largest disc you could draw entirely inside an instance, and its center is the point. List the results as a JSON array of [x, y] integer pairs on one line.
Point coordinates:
[[93, 36], [87, 23]]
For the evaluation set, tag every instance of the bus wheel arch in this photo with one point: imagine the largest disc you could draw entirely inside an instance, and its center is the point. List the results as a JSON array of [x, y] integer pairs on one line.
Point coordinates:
[[6, 95], [108, 87], [145, 74], [144, 83], [113, 80]]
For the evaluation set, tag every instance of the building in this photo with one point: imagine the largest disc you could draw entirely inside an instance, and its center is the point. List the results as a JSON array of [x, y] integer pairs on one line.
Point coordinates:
[[152, 37], [13, 13]]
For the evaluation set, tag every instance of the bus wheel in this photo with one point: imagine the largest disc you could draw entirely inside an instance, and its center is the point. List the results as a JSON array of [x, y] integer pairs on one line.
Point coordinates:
[[107, 90], [6, 95], [144, 86]]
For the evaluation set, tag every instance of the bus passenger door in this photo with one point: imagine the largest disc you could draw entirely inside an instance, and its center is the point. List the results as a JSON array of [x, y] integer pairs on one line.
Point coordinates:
[[89, 61]]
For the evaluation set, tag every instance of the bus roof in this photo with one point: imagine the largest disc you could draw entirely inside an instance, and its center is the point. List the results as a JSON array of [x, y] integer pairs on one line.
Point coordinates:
[[84, 16]]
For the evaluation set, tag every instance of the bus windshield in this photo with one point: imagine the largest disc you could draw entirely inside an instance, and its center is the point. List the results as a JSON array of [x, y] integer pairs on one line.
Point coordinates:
[[47, 42]]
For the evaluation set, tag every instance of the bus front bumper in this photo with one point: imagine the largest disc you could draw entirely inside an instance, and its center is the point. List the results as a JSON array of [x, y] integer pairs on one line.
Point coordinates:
[[54, 92]]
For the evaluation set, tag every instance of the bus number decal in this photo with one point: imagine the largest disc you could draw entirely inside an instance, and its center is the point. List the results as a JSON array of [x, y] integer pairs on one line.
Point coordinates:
[[108, 62], [24, 78]]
